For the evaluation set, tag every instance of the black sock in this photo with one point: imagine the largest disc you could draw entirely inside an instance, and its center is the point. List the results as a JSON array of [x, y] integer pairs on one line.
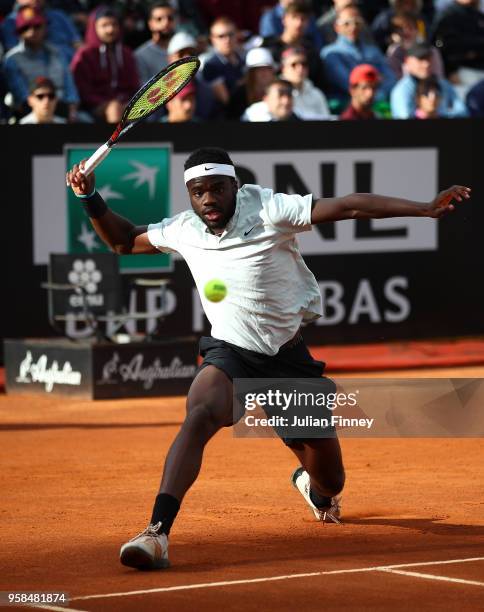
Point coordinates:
[[319, 500], [165, 510]]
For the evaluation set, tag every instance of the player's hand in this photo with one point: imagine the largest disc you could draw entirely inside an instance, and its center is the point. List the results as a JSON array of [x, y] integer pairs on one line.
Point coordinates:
[[445, 201], [80, 183]]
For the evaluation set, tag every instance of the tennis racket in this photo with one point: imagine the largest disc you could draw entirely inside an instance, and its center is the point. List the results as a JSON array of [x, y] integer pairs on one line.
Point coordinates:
[[159, 90]]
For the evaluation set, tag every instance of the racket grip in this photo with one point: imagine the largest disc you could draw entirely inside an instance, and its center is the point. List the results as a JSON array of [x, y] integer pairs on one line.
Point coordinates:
[[96, 158]]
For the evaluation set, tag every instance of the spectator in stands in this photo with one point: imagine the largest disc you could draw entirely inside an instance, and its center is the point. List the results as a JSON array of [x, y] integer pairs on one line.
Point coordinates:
[[182, 45], [427, 98], [382, 25], [364, 82], [34, 57], [327, 20], [152, 55], [224, 68], [309, 101], [106, 74], [295, 21], [260, 68], [181, 108], [475, 100], [271, 24], [404, 34], [417, 67], [61, 31], [459, 33], [276, 105], [43, 102], [348, 52]]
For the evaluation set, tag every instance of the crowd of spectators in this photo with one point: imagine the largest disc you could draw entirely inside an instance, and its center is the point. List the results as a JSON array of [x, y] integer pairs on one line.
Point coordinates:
[[261, 60]]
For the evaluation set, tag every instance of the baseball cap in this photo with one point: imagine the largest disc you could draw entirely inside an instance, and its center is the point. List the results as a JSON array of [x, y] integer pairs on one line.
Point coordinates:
[[179, 41], [419, 50], [43, 82], [258, 57], [28, 17], [364, 73], [188, 90]]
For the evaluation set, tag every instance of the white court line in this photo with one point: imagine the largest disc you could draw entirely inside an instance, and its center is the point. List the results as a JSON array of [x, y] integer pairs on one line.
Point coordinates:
[[422, 563], [432, 577], [205, 585]]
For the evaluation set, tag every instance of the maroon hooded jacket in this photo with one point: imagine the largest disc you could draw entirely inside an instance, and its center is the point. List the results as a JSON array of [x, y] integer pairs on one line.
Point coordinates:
[[104, 73]]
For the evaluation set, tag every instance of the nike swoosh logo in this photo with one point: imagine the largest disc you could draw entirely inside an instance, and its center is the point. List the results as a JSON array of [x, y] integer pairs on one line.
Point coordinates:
[[209, 168], [248, 231]]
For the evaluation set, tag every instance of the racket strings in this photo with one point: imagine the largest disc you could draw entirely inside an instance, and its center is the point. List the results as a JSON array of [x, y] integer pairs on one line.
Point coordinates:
[[162, 90]]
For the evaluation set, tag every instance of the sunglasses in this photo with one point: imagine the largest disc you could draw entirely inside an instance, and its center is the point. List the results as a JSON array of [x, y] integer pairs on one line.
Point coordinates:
[[41, 96]]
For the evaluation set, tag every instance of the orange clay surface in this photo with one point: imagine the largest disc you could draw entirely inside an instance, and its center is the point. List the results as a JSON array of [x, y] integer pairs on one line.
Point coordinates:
[[78, 479]]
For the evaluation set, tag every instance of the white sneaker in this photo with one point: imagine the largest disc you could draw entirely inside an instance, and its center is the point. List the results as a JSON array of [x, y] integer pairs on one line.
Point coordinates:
[[148, 550], [300, 480]]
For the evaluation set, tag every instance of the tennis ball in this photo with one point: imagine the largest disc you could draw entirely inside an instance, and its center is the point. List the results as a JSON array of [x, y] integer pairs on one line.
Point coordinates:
[[215, 290]]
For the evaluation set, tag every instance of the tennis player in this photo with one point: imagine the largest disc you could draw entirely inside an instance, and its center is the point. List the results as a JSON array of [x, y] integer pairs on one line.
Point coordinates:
[[246, 237]]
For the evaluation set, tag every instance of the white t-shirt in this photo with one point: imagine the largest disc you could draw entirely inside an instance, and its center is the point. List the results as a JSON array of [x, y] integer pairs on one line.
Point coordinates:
[[258, 111], [31, 119], [270, 288], [310, 103]]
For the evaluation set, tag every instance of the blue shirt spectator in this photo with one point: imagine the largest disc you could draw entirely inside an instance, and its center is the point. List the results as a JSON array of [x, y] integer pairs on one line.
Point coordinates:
[[61, 32], [417, 67], [22, 65], [270, 25], [33, 57], [475, 100], [348, 52], [223, 69], [219, 68], [403, 105]]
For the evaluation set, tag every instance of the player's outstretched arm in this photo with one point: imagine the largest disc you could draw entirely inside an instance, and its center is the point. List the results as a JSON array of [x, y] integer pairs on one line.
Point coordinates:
[[118, 233], [370, 206]]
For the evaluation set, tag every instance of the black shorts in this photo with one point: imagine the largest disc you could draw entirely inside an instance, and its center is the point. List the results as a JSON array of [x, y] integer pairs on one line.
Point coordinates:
[[292, 361]]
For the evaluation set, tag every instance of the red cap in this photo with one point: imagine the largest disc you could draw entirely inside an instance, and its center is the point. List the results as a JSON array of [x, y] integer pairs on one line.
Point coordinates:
[[188, 90], [27, 17], [364, 73]]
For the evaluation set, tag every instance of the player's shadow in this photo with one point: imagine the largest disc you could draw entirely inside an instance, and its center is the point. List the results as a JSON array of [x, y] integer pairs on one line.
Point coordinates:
[[336, 542], [434, 526]]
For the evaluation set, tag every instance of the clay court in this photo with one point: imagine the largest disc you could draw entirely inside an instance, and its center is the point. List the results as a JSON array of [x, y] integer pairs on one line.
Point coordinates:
[[79, 478]]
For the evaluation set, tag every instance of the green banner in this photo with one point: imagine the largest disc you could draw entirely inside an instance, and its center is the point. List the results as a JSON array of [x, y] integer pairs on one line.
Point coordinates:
[[135, 182]]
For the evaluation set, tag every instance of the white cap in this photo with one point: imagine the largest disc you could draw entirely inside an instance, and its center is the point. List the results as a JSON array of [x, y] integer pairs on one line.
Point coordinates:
[[259, 56], [179, 41]]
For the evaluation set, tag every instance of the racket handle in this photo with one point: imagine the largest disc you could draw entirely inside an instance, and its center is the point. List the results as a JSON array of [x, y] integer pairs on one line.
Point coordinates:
[[96, 158]]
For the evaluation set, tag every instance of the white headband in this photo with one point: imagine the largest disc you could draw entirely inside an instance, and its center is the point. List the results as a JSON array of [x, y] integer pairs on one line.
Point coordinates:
[[208, 169]]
